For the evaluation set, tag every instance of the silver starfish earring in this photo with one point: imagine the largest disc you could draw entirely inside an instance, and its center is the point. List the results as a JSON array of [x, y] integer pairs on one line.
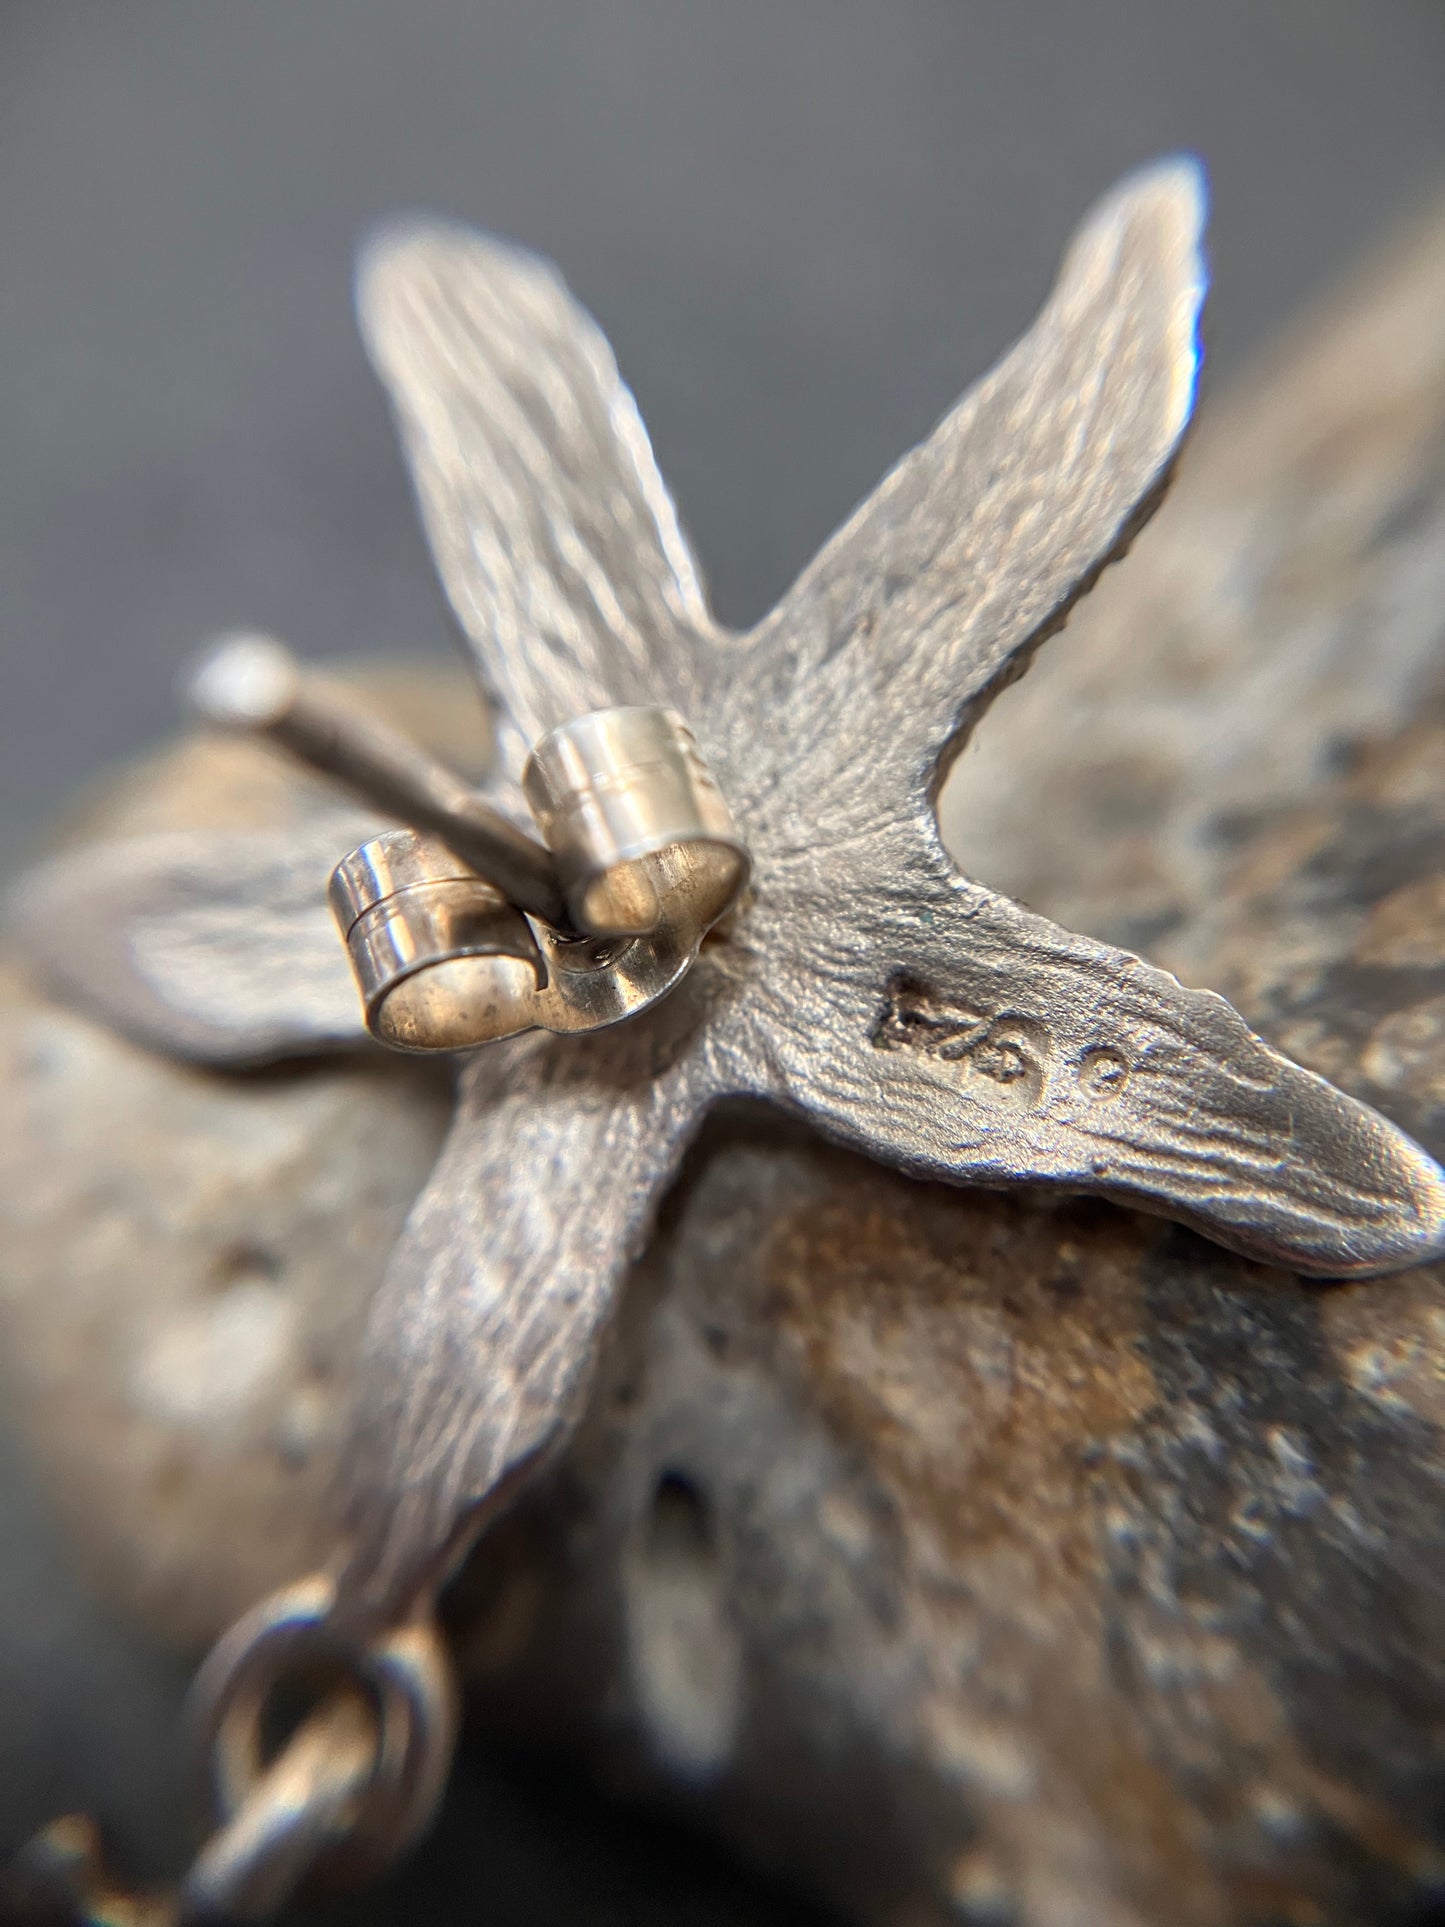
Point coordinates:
[[852, 974]]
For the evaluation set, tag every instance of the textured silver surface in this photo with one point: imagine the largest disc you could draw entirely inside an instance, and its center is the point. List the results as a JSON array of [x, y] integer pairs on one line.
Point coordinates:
[[213, 945], [866, 984]]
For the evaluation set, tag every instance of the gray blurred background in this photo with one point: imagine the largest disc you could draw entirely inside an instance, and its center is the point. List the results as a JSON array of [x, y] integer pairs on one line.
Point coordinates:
[[805, 225]]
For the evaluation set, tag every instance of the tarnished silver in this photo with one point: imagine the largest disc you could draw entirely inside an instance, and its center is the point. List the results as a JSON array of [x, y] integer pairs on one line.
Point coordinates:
[[60, 1879], [635, 822], [402, 1676], [297, 1813], [864, 984], [442, 961], [215, 946], [639, 851], [646, 856], [253, 683], [330, 1803]]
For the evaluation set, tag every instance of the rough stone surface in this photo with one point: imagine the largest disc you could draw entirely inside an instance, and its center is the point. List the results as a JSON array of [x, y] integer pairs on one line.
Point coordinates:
[[1011, 1562], [187, 1258], [1285, 603], [971, 1558]]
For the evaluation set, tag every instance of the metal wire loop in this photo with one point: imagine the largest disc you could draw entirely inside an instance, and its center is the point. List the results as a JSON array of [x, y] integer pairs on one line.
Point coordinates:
[[382, 1741]]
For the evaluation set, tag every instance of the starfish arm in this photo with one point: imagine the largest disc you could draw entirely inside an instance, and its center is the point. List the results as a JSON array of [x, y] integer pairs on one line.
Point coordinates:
[[553, 531], [974, 548], [481, 1341], [946, 1029], [211, 945]]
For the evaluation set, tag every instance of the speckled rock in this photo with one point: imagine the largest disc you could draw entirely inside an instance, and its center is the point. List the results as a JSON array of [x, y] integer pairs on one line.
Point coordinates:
[[974, 1559], [1004, 1561], [186, 1263], [187, 1258], [1284, 604]]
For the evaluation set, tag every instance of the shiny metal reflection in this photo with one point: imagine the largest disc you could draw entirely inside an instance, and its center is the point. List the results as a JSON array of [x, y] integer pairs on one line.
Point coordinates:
[[635, 822], [441, 959]]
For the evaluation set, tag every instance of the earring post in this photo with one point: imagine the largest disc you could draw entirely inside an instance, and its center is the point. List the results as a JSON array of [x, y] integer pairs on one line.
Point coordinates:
[[253, 684]]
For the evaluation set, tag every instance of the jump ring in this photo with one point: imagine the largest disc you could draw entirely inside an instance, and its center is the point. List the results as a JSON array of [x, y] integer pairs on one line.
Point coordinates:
[[406, 1675]]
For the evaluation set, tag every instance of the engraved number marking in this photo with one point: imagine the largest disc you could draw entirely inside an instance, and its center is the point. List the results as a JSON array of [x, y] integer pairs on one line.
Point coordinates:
[[1006, 1057]]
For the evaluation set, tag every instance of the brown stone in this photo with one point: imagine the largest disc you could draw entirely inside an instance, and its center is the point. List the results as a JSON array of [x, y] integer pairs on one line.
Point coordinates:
[[1003, 1559], [187, 1258]]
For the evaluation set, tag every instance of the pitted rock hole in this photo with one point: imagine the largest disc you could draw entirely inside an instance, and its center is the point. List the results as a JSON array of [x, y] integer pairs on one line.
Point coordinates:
[[684, 1652], [243, 1263]]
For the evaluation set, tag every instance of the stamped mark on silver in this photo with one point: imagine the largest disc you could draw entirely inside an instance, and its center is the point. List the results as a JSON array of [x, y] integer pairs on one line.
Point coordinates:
[[1005, 1057], [1103, 1074]]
